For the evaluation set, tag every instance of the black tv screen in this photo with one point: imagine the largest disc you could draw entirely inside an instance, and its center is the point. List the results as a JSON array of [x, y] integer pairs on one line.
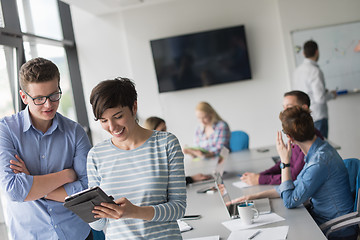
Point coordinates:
[[201, 59]]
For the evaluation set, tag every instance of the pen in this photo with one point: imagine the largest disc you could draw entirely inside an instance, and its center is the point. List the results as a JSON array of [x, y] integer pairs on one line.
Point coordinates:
[[254, 235]]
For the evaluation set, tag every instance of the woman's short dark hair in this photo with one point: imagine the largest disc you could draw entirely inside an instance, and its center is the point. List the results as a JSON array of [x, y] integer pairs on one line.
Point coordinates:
[[112, 93], [298, 123]]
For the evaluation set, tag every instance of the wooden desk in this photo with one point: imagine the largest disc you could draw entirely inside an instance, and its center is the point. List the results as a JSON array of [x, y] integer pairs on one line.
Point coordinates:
[[211, 208]]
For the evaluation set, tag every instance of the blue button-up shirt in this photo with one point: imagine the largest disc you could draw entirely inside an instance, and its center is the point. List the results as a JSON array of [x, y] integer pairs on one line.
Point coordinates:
[[64, 145], [325, 180]]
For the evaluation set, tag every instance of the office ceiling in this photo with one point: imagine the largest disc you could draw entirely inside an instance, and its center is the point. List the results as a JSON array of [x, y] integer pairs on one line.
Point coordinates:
[[102, 7]]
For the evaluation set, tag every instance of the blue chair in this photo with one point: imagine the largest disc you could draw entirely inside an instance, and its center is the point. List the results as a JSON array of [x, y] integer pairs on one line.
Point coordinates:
[[239, 140], [353, 167], [353, 218]]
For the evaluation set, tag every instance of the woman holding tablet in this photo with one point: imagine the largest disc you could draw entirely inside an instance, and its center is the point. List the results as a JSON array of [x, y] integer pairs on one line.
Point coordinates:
[[211, 135], [142, 169]]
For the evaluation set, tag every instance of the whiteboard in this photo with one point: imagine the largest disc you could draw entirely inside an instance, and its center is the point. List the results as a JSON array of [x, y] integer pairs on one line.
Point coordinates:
[[339, 48]]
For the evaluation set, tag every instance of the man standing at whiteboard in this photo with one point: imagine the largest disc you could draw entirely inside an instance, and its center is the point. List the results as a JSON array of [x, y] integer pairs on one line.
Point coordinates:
[[309, 78]]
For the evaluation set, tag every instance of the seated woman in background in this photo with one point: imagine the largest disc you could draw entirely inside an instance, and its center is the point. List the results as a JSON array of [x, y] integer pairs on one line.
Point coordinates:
[[142, 169], [158, 124], [212, 134], [324, 178]]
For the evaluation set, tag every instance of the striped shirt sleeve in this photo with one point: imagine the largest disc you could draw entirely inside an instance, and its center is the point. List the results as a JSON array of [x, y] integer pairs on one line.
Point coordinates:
[[176, 205]]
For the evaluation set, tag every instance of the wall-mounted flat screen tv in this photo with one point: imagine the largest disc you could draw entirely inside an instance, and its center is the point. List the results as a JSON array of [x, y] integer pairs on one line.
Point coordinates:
[[201, 59]]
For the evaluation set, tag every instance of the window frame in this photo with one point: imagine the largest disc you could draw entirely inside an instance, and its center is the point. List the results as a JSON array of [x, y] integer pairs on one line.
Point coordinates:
[[12, 36]]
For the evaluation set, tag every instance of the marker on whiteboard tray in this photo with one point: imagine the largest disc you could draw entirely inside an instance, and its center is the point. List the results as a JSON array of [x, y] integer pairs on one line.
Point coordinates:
[[341, 92]]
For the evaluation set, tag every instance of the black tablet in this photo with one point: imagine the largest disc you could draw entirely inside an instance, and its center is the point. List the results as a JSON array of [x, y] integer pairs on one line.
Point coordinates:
[[82, 203]]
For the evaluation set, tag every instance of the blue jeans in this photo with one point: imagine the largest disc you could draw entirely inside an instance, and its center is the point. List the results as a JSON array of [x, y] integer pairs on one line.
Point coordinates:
[[323, 126]]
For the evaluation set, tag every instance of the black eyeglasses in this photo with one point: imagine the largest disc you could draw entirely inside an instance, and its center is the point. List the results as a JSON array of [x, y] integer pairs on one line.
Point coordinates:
[[54, 97]]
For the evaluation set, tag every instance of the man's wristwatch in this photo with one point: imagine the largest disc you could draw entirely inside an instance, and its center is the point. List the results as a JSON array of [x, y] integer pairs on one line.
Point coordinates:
[[284, 165]]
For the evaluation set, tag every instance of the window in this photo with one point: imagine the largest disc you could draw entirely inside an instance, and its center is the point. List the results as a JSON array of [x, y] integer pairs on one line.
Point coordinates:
[[2, 24], [40, 28], [35, 16], [7, 75]]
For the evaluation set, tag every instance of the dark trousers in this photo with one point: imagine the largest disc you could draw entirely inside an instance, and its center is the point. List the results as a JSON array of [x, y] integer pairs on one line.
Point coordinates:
[[90, 236], [323, 127], [353, 237]]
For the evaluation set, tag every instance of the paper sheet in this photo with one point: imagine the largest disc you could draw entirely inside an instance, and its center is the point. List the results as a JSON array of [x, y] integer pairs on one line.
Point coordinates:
[[184, 227], [236, 224], [241, 184], [265, 234], [205, 238]]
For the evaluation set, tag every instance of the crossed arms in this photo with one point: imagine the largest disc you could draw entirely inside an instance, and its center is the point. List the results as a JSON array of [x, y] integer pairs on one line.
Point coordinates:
[[49, 185], [32, 168]]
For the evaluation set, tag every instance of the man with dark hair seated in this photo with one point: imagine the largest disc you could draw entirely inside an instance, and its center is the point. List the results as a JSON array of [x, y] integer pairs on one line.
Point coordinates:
[[272, 176]]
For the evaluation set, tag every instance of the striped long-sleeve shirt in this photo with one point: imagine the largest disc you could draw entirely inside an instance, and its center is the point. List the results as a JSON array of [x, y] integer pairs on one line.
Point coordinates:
[[150, 175]]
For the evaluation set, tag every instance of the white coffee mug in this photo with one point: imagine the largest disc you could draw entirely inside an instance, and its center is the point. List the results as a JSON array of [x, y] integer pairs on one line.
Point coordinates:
[[247, 213]]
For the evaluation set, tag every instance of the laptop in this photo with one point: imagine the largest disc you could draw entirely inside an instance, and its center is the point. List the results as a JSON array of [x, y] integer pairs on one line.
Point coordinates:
[[262, 205], [219, 169]]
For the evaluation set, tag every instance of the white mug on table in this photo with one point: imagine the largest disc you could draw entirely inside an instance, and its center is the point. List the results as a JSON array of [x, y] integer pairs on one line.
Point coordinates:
[[247, 212]]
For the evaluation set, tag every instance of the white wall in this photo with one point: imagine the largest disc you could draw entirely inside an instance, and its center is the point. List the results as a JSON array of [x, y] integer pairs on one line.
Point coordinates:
[[102, 55], [118, 45]]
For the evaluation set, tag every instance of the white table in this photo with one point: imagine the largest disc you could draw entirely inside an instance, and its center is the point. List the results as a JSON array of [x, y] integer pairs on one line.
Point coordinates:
[[211, 208]]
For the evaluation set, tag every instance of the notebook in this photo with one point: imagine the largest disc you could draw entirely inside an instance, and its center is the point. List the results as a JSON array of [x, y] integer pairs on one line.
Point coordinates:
[[262, 205], [219, 169]]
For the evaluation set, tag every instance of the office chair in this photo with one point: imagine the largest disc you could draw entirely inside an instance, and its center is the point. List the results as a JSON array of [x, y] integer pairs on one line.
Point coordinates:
[[353, 218], [239, 140]]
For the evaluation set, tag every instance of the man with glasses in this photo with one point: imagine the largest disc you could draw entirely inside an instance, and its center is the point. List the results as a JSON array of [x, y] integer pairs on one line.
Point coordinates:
[[42, 160]]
